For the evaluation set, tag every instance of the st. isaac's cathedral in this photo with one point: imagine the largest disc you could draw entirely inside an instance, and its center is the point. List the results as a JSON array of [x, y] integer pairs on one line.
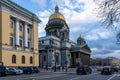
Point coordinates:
[[56, 49]]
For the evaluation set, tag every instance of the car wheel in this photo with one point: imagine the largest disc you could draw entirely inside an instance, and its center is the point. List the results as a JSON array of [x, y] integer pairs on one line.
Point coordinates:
[[90, 72], [78, 73], [4, 74], [110, 73], [85, 72], [102, 73], [14, 73]]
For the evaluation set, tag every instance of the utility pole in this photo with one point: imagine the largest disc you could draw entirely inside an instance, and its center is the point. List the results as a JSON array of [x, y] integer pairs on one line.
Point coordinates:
[[55, 62]]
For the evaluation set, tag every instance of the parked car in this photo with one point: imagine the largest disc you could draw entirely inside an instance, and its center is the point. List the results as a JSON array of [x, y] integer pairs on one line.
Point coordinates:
[[115, 69], [2, 71], [84, 70], [26, 70], [99, 68], [107, 70], [35, 69], [15, 71]]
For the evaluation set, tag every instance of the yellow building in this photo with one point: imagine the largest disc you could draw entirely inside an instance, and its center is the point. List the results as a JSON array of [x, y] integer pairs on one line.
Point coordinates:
[[18, 35]]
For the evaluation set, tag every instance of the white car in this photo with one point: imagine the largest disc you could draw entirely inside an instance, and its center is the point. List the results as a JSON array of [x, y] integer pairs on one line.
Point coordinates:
[[15, 71]]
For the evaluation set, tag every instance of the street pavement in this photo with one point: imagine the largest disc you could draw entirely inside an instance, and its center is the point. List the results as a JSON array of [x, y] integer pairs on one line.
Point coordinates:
[[62, 75]]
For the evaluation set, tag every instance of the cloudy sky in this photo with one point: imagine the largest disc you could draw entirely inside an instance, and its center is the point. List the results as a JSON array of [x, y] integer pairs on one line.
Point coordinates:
[[81, 18]]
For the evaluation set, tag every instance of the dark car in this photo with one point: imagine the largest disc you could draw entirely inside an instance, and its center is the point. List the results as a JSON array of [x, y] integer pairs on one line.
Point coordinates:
[[35, 69], [15, 71], [115, 69], [2, 71], [84, 70], [26, 70], [107, 70]]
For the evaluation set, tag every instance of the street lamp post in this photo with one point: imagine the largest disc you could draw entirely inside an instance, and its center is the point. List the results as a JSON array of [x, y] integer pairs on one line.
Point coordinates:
[[55, 63], [47, 62]]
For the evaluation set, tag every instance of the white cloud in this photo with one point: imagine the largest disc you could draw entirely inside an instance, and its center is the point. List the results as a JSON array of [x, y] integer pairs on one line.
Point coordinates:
[[94, 49], [99, 33], [43, 15], [75, 29], [114, 53], [92, 37], [85, 15]]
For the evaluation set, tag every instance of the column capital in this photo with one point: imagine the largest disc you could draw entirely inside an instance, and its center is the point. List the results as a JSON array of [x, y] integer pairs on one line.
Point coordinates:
[[26, 23], [17, 19]]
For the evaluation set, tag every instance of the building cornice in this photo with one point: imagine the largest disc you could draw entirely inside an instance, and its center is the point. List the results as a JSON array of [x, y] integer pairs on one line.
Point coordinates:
[[20, 10]]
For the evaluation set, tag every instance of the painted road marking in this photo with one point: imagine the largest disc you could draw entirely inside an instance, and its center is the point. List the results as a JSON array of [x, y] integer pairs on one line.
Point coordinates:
[[43, 77], [83, 76], [112, 76], [118, 75]]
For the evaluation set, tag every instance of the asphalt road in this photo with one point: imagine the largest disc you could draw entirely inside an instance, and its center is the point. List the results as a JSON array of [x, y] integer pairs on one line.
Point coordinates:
[[62, 76]]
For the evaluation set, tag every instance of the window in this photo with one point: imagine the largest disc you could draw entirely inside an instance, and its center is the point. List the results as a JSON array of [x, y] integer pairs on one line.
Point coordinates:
[[12, 23], [28, 30], [13, 58], [11, 41], [31, 60], [23, 59], [21, 42], [42, 41], [51, 42], [57, 59], [28, 44], [21, 27], [44, 58], [63, 36]]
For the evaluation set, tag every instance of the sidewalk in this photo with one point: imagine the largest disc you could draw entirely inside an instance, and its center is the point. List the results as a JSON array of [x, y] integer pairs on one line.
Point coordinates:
[[70, 70]]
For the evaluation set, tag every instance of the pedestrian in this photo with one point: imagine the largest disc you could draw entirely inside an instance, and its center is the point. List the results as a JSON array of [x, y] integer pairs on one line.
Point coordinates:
[[62, 68]]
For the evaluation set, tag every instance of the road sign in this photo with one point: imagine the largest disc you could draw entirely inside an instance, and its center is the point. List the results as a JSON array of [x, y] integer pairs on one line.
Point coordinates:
[[68, 56], [66, 62], [53, 61], [78, 60]]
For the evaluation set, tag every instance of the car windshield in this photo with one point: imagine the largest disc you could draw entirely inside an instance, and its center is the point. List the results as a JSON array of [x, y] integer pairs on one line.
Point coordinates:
[[106, 69]]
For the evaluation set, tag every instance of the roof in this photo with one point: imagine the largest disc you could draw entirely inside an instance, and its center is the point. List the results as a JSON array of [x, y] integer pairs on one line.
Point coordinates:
[[57, 14], [14, 6], [84, 49]]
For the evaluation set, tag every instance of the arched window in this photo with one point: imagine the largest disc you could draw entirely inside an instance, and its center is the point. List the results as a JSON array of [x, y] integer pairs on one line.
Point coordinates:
[[13, 58], [63, 36], [31, 60], [23, 59]]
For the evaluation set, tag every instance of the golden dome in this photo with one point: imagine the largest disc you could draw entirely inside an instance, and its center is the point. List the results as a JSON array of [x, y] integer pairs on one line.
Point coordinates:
[[56, 15]]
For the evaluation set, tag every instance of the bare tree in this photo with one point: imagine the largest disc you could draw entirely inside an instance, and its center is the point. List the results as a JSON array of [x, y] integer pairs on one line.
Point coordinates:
[[109, 12]]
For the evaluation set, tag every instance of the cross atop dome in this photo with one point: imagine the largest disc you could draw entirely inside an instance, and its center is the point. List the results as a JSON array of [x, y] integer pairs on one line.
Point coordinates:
[[56, 9]]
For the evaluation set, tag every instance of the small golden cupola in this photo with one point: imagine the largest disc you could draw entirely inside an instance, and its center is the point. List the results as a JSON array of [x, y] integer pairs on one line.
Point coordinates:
[[81, 41]]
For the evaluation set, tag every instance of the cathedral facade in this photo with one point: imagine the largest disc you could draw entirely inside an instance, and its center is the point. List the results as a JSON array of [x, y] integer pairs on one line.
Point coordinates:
[[56, 49]]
